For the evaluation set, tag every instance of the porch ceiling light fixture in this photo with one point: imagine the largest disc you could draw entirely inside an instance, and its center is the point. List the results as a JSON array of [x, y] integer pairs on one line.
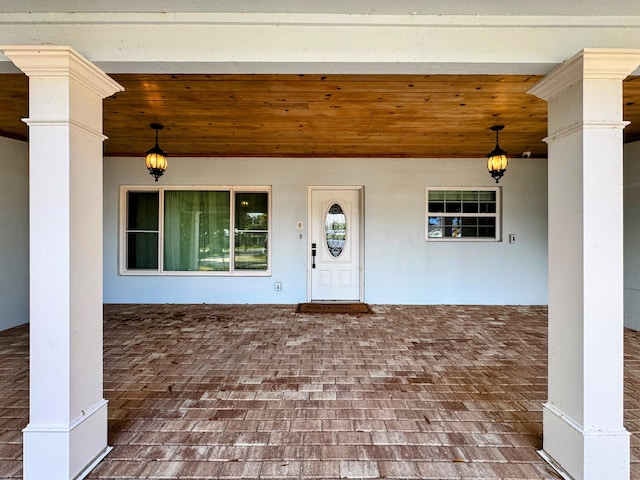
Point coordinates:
[[497, 159], [156, 160]]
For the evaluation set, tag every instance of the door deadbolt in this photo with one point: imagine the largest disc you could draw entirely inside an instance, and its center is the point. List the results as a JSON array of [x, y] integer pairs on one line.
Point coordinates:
[[313, 255]]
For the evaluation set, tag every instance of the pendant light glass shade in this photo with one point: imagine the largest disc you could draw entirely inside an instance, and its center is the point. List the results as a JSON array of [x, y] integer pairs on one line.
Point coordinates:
[[156, 160], [497, 160]]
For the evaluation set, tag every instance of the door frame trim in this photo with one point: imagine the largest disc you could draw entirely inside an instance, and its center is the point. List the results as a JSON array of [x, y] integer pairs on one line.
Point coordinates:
[[360, 189]]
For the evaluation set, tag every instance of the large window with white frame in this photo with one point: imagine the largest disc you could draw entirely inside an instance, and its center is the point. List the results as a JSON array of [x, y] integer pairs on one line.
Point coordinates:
[[461, 213], [195, 230]]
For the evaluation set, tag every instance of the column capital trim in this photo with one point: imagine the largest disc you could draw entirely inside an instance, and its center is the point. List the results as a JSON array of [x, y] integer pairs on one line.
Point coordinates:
[[57, 61], [580, 126], [588, 64], [54, 122]]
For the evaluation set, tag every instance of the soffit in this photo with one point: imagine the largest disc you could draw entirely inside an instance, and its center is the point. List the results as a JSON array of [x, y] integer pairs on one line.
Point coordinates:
[[318, 115]]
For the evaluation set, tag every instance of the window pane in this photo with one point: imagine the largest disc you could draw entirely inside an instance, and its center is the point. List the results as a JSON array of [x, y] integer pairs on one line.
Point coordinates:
[[251, 231], [452, 225], [453, 195], [468, 207], [436, 195], [487, 201], [335, 230], [436, 207], [469, 232], [470, 196], [142, 211], [453, 208], [452, 221], [487, 207], [251, 211], [142, 251], [196, 230], [251, 251], [436, 201], [487, 227], [435, 229], [487, 196], [142, 231], [453, 201]]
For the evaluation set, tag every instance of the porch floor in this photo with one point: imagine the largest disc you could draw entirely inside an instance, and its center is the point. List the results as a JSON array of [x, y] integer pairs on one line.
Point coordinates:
[[248, 392]]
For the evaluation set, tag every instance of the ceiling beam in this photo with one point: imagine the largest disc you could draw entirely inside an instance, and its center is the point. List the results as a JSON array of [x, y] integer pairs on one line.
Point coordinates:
[[277, 42]]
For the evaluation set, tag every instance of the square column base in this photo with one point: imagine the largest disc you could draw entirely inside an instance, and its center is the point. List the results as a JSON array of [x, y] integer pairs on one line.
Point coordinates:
[[581, 454], [59, 452]]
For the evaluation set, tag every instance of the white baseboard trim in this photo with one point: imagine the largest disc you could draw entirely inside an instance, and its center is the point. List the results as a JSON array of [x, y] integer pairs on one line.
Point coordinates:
[[93, 463], [555, 465]]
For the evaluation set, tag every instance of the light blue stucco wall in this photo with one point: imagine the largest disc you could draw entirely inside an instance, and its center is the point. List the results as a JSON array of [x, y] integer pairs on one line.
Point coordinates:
[[14, 233], [399, 266], [632, 235]]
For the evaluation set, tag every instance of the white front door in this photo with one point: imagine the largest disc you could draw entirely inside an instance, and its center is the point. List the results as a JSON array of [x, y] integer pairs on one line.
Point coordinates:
[[334, 253]]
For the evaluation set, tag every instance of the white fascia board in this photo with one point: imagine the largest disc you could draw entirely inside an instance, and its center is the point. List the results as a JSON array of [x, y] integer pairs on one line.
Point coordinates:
[[373, 7], [314, 43], [327, 19]]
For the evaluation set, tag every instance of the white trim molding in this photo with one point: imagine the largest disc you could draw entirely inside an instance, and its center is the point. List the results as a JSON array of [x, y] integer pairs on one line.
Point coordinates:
[[53, 60], [607, 449], [580, 126], [588, 64]]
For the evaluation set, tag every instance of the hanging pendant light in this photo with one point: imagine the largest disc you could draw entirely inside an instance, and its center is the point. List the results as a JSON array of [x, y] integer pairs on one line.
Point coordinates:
[[497, 159], [156, 160]]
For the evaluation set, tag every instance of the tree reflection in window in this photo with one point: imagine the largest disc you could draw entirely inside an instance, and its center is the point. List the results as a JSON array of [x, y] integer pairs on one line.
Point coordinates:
[[335, 230]]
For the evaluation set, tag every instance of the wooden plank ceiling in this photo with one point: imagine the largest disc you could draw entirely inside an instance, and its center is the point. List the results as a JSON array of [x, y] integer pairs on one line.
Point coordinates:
[[318, 115]]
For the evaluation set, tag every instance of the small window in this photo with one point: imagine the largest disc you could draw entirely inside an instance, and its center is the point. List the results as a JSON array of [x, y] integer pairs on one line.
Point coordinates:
[[195, 231], [463, 214], [142, 230], [251, 231]]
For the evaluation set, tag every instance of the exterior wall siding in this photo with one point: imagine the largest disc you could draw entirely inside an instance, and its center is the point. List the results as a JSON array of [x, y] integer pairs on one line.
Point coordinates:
[[632, 235], [399, 265], [14, 233]]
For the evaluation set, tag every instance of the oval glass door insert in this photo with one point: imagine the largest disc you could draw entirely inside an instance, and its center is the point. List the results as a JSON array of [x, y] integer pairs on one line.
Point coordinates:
[[335, 230]]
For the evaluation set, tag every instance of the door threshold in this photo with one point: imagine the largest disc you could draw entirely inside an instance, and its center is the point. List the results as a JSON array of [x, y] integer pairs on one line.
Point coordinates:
[[335, 302]]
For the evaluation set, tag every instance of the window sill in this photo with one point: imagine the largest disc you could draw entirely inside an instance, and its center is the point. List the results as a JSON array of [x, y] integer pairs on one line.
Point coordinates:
[[155, 273]]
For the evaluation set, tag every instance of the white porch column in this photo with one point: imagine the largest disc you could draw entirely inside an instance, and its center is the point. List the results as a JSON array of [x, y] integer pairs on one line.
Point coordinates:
[[583, 417], [67, 431]]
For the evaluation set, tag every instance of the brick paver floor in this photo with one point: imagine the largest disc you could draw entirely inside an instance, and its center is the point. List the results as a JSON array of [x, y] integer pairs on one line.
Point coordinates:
[[244, 392]]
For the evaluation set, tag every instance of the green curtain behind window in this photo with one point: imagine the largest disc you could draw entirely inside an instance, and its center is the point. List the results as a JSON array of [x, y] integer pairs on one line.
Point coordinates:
[[196, 230]]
